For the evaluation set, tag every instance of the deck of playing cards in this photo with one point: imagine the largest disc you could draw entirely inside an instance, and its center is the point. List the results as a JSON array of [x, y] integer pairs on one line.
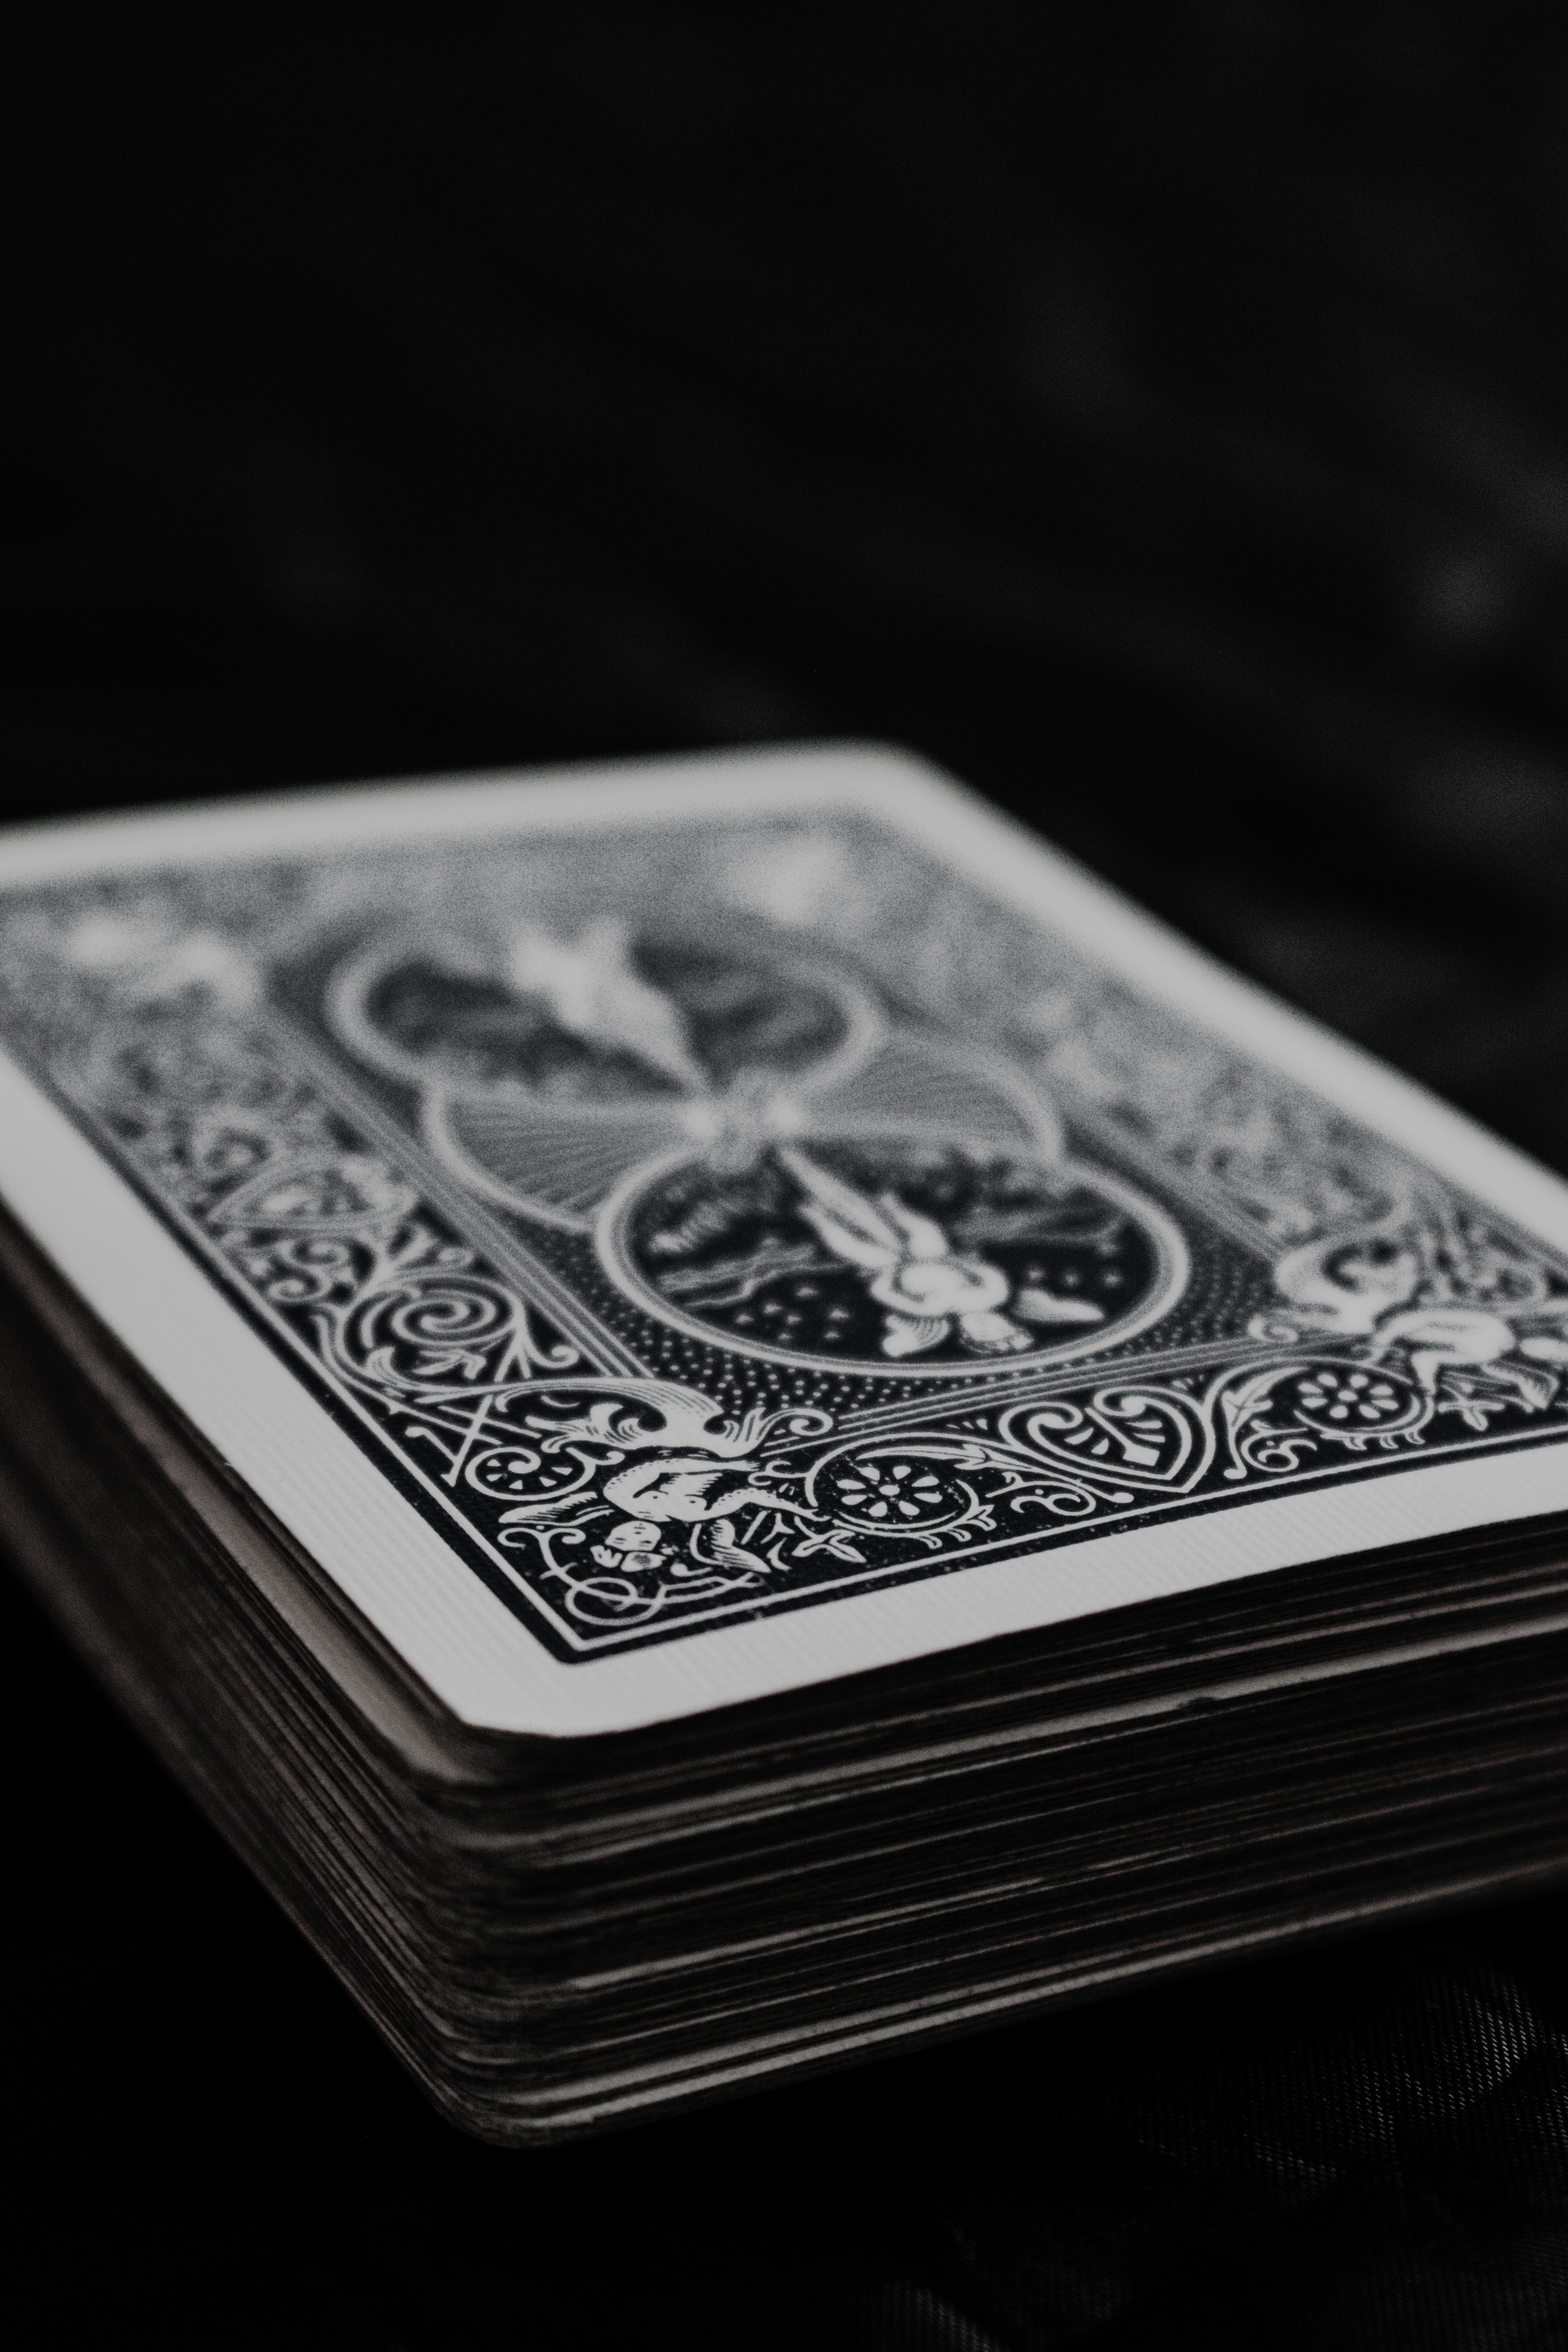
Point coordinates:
[[725, 1417]]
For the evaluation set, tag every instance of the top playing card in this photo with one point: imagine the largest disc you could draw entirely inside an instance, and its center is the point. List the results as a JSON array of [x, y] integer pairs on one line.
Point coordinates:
[[748, 1193]]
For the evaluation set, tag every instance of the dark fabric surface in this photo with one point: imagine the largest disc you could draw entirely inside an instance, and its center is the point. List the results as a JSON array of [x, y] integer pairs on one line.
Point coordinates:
[[1158, 418]]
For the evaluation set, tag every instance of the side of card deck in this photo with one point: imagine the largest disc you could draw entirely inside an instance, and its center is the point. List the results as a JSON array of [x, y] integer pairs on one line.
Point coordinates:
[[556, 1937]]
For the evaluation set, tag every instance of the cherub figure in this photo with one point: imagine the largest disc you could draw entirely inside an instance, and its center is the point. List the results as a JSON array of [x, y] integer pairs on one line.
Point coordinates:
[[926, 1287], [635, 1546], [1371, 1290]]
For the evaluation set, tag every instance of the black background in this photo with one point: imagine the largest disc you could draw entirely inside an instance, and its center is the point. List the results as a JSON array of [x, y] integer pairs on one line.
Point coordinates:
[[1160, 420]]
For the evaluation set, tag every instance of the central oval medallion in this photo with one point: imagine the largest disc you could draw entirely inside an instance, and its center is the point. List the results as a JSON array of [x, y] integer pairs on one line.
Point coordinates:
[[893, 1253]]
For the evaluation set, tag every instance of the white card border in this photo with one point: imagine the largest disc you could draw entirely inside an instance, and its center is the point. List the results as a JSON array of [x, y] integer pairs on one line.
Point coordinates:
[[478, 1657]]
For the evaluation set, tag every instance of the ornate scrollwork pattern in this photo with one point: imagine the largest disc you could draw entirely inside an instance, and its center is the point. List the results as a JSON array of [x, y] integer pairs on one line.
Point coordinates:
[[1398, 1318]]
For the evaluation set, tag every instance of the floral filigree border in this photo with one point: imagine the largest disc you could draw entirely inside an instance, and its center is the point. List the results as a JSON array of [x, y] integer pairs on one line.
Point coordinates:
[[628, 1508]]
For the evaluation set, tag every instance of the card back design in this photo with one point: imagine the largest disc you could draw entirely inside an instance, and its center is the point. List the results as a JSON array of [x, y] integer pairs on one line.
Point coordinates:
[[721, 1217]]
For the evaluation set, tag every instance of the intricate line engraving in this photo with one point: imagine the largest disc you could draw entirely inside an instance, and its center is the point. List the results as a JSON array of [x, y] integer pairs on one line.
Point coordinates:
[[762, 1156]]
